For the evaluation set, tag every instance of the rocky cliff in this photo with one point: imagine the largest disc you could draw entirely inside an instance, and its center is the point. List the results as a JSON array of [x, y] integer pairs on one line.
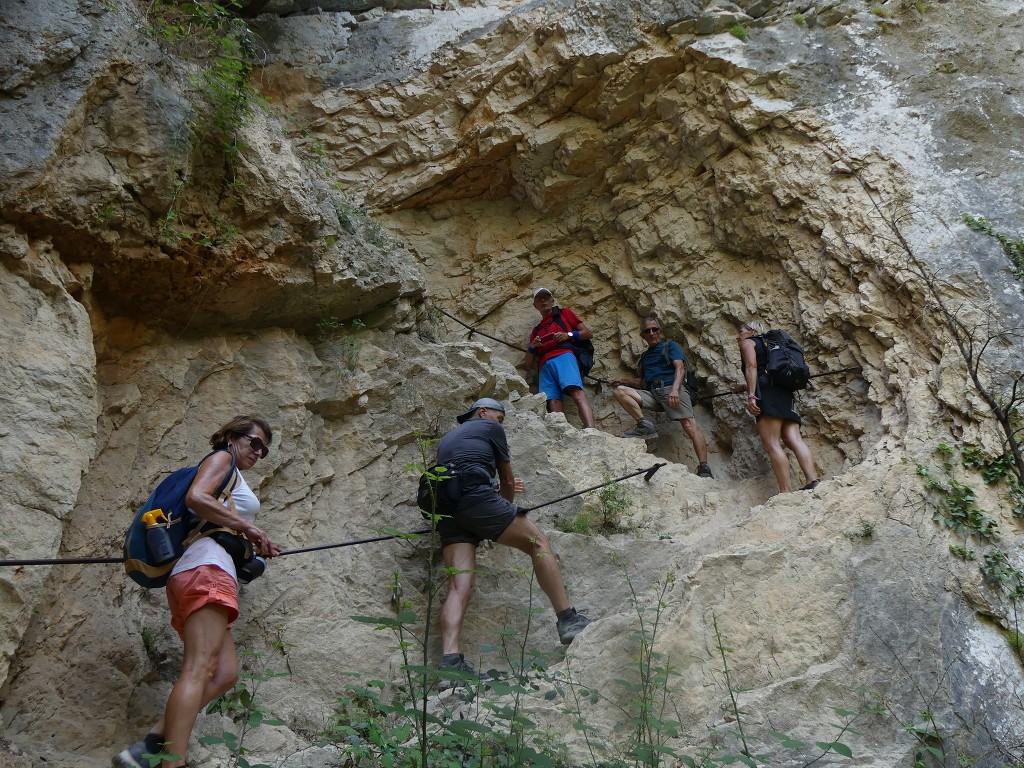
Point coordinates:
[[279, 213]]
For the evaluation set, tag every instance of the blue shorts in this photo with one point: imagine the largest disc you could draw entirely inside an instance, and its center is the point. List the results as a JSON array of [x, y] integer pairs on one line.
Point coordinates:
[[558, 374]]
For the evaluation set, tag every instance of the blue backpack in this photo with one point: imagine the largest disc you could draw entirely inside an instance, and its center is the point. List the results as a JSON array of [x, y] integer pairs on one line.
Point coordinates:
[[174, 529]]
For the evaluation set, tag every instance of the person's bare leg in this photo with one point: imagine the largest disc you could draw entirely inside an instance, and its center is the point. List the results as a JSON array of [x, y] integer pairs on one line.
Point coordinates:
[[582, 405], [554, 406], [224, 679], [630, 401], [770, 430], [206, 632], [457, 557], [696, 435], [793, 440], [527, 537]]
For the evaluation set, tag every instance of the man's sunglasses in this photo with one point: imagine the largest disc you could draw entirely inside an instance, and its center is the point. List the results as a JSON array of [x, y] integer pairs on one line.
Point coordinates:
[[256, 444], [649, 331]]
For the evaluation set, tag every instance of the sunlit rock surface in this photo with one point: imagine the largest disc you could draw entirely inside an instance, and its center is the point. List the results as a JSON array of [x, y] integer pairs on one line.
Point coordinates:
[[413, 158]]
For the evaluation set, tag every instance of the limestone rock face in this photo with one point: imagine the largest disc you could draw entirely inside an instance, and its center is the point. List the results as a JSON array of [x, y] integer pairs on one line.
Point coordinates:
[[121, 178], [807, 164], [321, 7], [48, 359]]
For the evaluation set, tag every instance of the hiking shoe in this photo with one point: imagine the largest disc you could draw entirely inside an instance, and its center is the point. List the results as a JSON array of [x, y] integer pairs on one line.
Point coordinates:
[[703, 470], [811, 485], [643, 428], [132, 757], [455, 670], [571, 626]]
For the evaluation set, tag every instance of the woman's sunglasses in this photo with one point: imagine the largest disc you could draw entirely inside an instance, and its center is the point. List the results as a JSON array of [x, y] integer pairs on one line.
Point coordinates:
[[256, 444]]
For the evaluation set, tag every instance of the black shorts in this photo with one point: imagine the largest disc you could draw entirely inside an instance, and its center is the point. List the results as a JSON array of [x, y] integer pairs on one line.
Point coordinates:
[[480, 517]]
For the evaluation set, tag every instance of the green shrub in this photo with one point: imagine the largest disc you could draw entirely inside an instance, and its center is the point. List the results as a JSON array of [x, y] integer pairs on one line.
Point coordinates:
[[739, 31]]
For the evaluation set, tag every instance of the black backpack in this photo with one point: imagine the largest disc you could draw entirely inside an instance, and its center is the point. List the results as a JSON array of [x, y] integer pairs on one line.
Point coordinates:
[[785, 365], [689, 381], [583, 350]]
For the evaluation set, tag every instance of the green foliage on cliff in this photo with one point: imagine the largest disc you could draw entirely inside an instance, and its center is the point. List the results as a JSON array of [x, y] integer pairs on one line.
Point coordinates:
[[219, 50], [1012, 247]]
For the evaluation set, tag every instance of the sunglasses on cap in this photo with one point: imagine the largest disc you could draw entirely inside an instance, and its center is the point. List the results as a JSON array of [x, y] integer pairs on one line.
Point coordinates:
[[256, 443]]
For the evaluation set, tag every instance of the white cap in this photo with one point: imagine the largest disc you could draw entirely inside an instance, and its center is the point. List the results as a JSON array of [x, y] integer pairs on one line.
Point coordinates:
[[539, 291]]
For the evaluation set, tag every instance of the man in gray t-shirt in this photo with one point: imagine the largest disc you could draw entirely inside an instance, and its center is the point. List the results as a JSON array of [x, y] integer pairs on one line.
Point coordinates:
[[479, 450]]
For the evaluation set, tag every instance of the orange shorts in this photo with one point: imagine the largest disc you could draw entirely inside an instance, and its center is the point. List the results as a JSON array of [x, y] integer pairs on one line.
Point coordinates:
[[193, 589]]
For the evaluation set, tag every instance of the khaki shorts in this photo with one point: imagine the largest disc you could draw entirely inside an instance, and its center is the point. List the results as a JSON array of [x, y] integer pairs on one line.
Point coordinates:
[[198, 587], [656, 399]]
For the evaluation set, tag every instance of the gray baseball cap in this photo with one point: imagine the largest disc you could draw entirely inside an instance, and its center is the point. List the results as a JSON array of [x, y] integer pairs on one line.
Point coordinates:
[[483, 402]]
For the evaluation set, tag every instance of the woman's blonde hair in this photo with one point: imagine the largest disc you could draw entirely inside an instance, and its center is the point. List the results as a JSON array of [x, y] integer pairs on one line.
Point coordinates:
[[753, 325], [240, 425]]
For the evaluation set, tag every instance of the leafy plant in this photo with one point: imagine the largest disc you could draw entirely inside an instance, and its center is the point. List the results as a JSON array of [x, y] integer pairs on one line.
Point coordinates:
[[242, 706], [739, 32], [107, 211], [355, 220], [1016, 641], [864, 530], [1016, 497], [956, 507], [149, 643], [608, 514], [223, 49], [650, 692], [331, 328], [962, 552], [1013, 247], [154, 760], [613, 504], [997, 570], [735, 744], [992, 468]]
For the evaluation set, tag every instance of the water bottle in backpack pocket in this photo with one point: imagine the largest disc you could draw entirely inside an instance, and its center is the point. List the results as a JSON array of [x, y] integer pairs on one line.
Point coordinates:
[[158, 540]]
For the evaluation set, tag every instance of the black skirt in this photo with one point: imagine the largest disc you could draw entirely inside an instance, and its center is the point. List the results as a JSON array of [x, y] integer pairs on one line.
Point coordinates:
[[776, 401]]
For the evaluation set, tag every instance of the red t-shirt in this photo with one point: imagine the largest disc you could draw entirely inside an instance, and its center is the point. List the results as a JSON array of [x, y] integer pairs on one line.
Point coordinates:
[[542, 340]]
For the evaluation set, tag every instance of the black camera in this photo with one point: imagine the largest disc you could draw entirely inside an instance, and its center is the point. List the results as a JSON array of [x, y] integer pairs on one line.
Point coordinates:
[[251, 569], [248, 565]]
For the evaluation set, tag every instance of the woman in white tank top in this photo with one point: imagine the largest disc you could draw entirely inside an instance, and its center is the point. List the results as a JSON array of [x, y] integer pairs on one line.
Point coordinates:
[[202, 591]]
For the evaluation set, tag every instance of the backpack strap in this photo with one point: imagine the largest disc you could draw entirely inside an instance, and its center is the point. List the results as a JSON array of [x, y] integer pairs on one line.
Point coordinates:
[[556, 315], [203, 528], [664, 354], [761, 357]]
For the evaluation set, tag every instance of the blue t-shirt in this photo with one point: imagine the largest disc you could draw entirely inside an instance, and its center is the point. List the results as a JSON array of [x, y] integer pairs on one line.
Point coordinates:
[[478, 444], [653, 366]]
